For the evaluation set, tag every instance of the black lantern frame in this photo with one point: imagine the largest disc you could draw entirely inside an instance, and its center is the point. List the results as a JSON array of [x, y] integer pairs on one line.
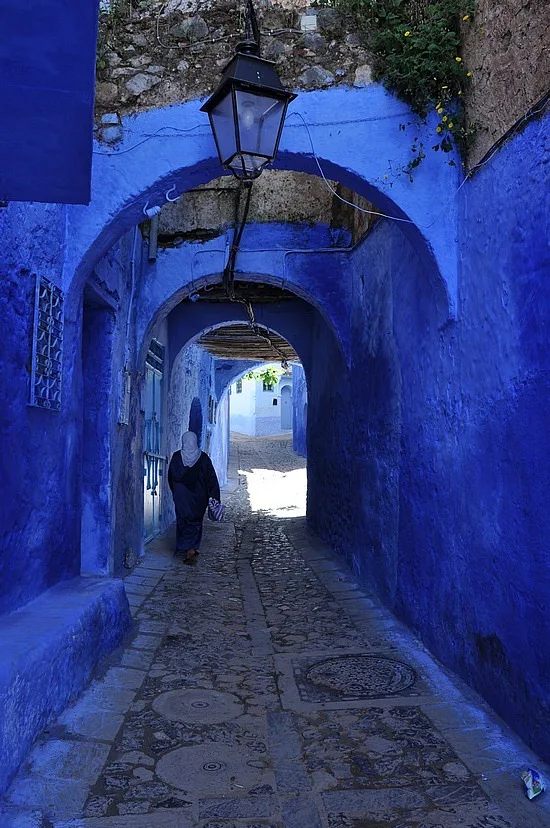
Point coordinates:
[[247, 112]]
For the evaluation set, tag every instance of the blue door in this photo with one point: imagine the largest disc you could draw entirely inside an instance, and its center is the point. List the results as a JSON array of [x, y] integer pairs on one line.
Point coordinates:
[[286, 408], [154, 463]]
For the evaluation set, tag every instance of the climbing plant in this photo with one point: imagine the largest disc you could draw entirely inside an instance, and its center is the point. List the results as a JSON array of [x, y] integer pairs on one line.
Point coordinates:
[[270, 376], [415, 47]]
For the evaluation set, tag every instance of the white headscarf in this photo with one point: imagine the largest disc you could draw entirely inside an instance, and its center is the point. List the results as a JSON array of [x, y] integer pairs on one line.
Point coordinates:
[[190, 451]]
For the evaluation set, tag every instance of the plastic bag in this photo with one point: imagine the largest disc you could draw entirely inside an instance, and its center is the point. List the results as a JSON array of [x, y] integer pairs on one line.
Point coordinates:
[[216, 510], [534, 783]]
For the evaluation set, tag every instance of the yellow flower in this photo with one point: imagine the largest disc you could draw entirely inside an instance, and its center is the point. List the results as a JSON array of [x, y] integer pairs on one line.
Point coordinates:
[[438, 129], [440, 110], [450, 124], [466, 17], [444, 87], [460, 92], [407, 34], [468, 74], [458, 59], [444, 118]]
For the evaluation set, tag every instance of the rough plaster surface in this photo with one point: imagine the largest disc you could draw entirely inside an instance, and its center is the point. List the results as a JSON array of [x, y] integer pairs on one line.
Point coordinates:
[[48, 651], [192, 383], [445, 440], [35, 514], [366, 153], [427, 439], [277, 196], [507, 49]]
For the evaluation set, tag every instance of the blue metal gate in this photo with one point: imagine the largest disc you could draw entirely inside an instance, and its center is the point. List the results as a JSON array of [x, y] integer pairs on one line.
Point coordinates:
[[154, 463]]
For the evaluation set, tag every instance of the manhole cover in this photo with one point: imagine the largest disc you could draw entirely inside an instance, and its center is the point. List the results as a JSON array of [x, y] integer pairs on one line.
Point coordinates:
[[198, 706], [361, 676], [211, 768]]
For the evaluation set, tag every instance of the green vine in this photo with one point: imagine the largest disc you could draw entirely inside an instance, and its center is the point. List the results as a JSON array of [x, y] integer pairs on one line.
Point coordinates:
[[415, 46], [268, 375]]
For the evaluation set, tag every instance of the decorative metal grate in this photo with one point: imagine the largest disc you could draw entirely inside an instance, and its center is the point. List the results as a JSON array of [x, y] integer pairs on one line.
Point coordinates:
[[155, 355], [47, 346], [212, 410]]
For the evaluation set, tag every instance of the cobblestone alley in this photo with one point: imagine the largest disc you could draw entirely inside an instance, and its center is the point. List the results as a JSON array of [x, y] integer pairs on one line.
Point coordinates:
[[263, 688]]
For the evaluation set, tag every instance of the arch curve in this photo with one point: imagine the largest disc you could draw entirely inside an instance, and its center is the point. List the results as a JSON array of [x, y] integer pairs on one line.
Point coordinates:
[[360, 149], [173, 281]]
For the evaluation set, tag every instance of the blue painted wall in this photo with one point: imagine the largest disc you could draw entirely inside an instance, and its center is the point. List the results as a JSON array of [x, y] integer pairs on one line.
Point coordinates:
[[447, 438], [299, 410], [64, 623], [473, 567], [45, 460], [503, 466], [428, 449], [37, 528], [47, 100], [192, 383]]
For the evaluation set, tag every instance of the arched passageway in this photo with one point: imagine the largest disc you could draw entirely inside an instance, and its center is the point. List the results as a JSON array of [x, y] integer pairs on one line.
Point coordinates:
[[210, 346], [392, 375]]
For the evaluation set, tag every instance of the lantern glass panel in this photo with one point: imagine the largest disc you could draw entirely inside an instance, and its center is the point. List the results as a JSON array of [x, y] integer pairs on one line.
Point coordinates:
[[248, 166], [223, 125], [259, 119]]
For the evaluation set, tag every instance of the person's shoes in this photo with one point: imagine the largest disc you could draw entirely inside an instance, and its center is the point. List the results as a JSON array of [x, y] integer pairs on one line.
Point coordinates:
[[190, 561]]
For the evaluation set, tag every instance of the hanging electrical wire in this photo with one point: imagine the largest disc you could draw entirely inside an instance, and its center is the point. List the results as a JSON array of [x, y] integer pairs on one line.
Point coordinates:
[[228, 281], [229, 270], [258, 331]]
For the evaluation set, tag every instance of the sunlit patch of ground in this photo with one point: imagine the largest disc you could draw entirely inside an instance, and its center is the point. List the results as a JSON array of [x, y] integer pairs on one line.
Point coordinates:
[[281, 494]]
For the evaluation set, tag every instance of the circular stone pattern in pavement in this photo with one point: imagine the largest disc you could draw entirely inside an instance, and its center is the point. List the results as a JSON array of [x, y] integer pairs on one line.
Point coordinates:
[[198, 706], [211, 768], [362, 676]]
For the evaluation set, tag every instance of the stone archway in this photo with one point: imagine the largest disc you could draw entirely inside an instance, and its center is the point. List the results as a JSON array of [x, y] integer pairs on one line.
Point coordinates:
[[361, 154]]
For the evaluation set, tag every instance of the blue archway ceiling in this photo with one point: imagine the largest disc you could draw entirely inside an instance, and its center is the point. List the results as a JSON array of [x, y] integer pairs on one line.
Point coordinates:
[[47, 76]]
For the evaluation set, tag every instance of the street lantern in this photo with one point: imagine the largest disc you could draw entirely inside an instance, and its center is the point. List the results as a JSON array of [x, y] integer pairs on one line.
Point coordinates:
[[248, 109]]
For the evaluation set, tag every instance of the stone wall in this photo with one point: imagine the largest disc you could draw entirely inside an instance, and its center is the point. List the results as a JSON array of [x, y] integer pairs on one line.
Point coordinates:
[[155, 55], [276, 196]]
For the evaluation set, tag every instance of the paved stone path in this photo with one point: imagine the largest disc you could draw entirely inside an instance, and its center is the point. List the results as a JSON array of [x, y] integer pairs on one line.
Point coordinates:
[[263, 688]]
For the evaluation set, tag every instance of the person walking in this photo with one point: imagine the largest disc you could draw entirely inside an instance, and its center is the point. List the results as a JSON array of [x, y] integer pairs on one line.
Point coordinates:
[[193, 482]]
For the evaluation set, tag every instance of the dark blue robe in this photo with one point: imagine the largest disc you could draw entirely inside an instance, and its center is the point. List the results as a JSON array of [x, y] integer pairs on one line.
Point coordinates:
[[191, 487]]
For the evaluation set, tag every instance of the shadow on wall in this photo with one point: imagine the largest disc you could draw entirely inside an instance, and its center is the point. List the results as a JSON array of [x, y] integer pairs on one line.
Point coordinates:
[[195, 419]]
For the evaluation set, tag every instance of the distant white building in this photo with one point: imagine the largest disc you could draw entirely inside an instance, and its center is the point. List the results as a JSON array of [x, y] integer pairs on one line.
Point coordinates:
[[260, 410]]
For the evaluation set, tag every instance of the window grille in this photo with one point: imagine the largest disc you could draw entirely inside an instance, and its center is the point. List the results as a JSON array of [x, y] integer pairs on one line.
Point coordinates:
[[212, 410], [239, 386], [268, 386], [155, 356], [47, 346]]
